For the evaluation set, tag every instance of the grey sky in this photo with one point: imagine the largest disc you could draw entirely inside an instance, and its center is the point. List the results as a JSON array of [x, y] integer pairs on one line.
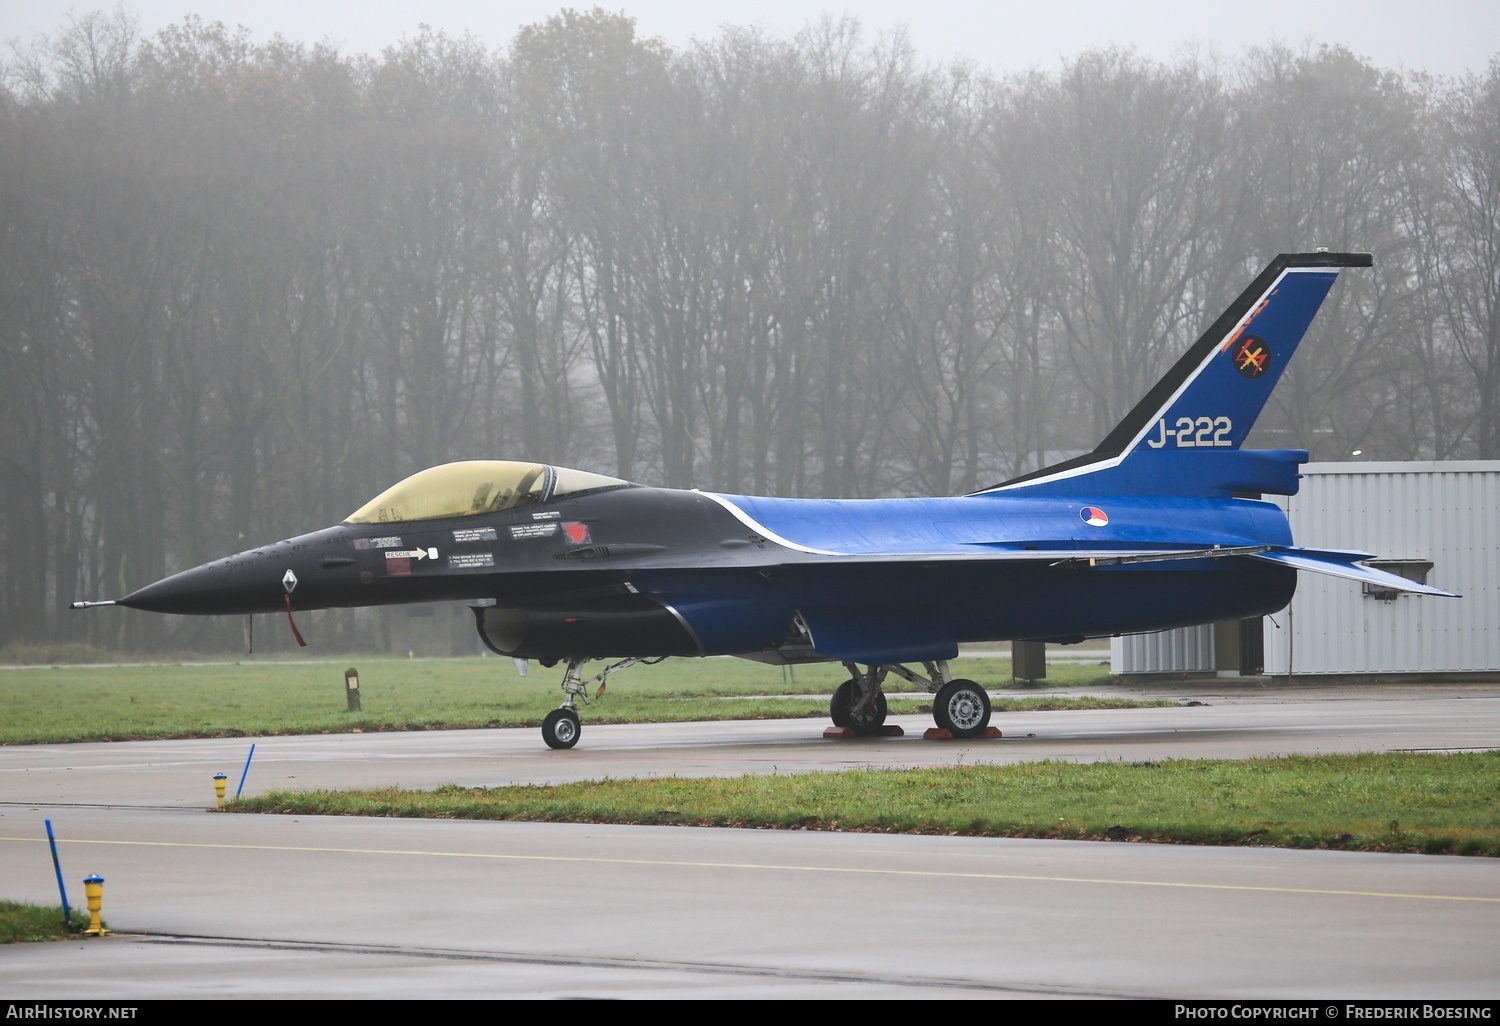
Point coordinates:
[[1441, 36]]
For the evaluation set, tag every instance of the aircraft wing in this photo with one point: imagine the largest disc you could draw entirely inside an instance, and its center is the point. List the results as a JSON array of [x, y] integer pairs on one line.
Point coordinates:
[[1333, 562], [1059, 557]]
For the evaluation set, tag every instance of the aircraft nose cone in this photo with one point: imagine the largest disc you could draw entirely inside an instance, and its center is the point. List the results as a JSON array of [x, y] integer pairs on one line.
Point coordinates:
[[243, 583], [256, 581]]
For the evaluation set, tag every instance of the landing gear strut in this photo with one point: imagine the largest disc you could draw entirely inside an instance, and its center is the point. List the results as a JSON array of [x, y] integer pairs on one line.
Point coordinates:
[[561, 727], [858, 703], [961, 708]]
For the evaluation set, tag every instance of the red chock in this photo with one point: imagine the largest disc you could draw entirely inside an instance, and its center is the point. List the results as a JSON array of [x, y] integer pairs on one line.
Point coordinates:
[[940, 734], [839, 733]]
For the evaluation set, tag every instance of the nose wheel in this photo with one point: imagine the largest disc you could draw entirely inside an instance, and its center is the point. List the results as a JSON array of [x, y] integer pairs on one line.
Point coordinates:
[[560, 728]]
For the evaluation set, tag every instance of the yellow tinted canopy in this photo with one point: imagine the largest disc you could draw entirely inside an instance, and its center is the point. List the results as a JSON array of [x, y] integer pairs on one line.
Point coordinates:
[[475, 486]]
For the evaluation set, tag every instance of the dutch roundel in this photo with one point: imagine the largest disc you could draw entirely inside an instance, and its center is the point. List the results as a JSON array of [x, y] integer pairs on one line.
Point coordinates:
[[1094, 516]]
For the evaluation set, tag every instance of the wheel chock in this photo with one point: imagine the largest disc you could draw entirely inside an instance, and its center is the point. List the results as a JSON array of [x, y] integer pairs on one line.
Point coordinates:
[[940, 734], [839, 733]]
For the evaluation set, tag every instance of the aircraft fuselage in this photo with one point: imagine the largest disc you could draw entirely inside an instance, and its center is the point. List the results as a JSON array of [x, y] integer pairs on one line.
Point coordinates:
[[644, 571]]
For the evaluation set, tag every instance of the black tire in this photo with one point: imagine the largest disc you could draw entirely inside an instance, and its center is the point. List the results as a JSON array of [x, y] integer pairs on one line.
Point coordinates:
[[838, 705], [841, 709], [560, 728], [962, 708]]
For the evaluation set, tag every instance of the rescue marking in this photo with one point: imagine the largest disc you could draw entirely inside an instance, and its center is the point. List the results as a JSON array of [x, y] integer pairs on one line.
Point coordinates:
[[412, 554], [533, 530], [474, 534], [577, 532], [468, 560]]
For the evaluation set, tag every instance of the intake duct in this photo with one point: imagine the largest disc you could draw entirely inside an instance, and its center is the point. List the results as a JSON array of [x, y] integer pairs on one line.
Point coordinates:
[[612, 626]]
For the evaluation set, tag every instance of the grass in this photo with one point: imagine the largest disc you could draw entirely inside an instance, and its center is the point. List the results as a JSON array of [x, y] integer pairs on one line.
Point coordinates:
[[22, 922], [1392, 802], [60, 704], [22, 654]]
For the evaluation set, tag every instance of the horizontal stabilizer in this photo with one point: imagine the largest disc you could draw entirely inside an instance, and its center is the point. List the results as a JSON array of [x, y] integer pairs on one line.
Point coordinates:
[[1349, 565]]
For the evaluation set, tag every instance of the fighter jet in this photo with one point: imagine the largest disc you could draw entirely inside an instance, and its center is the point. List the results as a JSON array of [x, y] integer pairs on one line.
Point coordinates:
[[1162, 525]]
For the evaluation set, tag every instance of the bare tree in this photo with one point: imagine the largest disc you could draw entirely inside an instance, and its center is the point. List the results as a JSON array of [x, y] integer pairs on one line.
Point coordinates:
[[1469, 250], [1137, 153], [245, 286]]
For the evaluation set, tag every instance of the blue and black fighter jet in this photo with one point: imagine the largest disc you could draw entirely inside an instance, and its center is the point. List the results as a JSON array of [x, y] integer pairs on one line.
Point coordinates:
[[1161, 526]]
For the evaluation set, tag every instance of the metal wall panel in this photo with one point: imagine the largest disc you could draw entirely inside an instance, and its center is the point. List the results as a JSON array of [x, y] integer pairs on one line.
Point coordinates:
[[1440, 511], [1186, 650]]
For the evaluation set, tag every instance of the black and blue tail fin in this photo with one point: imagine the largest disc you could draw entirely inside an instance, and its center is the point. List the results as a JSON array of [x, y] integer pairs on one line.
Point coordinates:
[[1184, 437]]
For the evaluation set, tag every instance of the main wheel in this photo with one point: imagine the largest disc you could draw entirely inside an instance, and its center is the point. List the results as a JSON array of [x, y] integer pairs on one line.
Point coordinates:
[[962, 708], [560, 728], [841, 709], [838, 705]]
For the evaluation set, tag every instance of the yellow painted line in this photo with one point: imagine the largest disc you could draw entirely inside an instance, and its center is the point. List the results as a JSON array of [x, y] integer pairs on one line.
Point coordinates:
[[775, 867]]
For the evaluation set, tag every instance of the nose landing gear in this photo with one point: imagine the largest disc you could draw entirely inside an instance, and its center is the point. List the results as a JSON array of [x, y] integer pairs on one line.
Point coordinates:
[[561, 727]]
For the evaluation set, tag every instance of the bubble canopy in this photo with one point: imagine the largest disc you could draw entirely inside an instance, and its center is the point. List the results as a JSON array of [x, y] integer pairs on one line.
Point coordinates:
[[474, 487]]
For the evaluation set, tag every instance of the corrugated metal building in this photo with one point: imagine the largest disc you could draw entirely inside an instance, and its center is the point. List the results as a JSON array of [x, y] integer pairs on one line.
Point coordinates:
[[1433, 521]]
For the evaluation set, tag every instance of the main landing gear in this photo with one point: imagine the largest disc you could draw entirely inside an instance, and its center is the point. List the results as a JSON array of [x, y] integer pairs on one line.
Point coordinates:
[[961, 707], [858, 703]]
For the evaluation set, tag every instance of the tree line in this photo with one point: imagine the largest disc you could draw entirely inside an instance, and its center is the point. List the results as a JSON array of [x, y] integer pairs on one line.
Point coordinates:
[[244, 287]]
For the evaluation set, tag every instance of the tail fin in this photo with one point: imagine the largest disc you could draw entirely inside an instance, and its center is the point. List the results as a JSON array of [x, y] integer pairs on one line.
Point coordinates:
[[1210, 399]]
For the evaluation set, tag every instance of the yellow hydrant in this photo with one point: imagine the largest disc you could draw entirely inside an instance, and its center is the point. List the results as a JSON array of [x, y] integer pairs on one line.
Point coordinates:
[[220, 782], [93, 889]]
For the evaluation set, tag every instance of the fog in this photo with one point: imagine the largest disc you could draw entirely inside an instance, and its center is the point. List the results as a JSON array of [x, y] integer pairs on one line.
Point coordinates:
[[245, 285]]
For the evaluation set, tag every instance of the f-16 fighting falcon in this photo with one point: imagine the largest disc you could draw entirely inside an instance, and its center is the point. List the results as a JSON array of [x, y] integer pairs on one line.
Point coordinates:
[[1162, 525]]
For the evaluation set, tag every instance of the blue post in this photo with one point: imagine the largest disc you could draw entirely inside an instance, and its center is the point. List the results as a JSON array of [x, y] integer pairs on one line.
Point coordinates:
[[246, 771], [57, 868]]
